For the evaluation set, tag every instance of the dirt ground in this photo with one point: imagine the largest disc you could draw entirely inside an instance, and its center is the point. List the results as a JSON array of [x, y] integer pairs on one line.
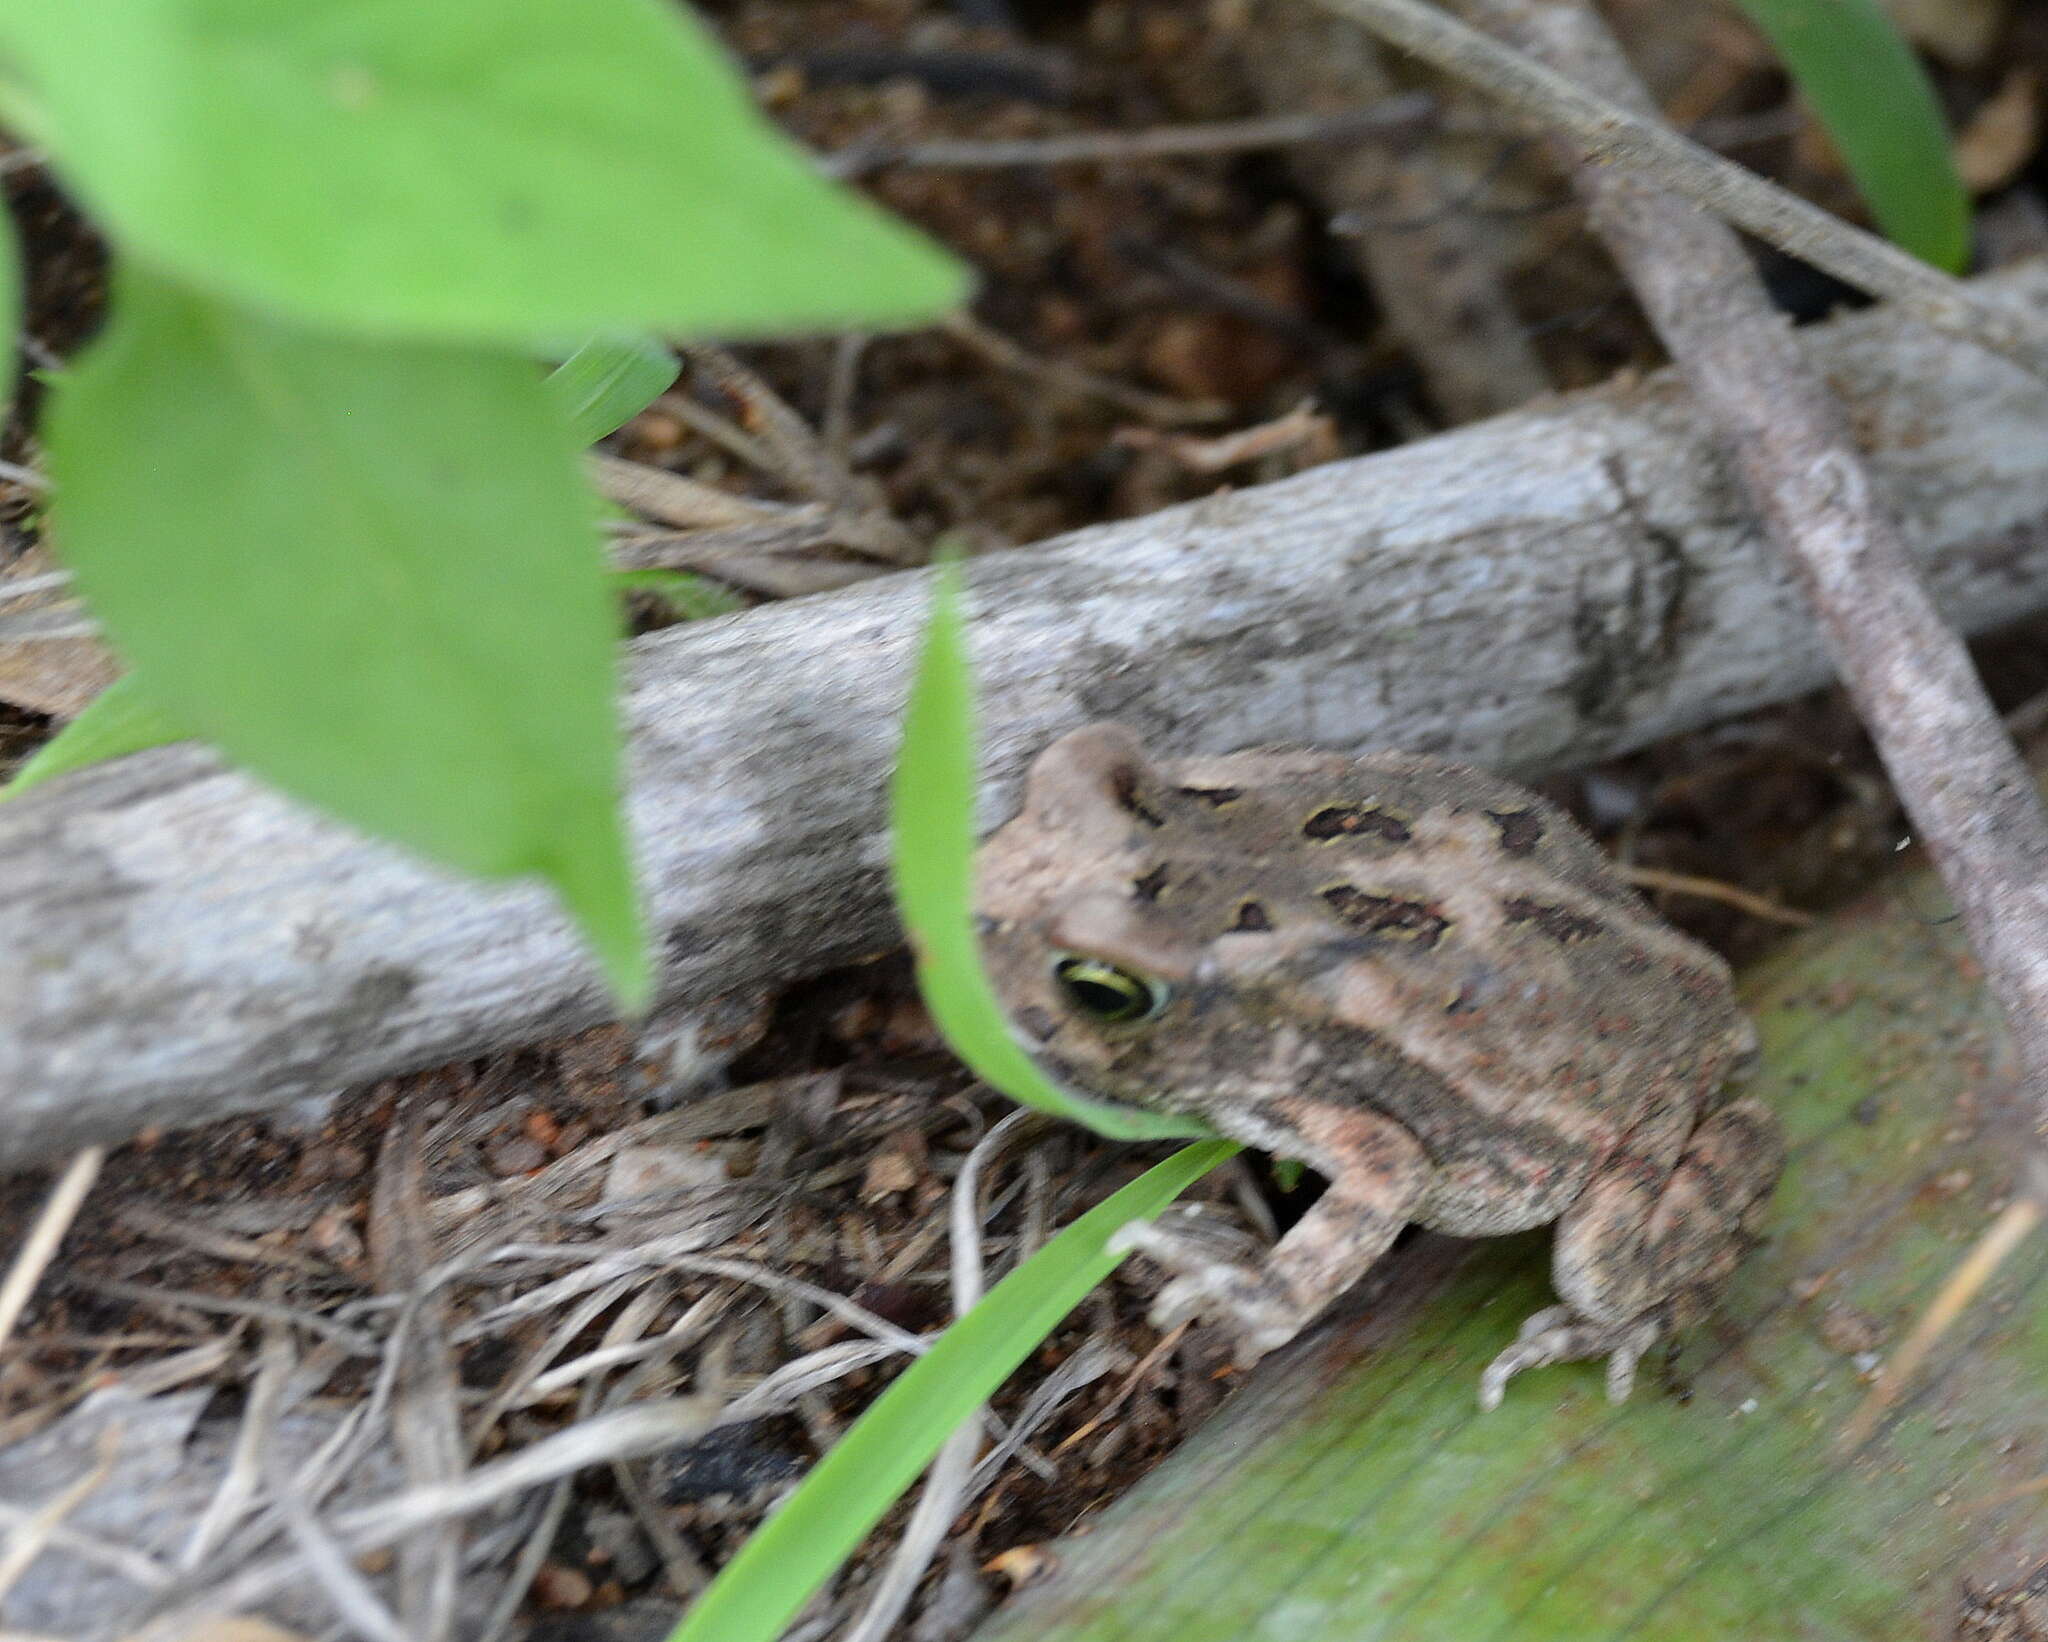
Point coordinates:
[[599, 1237]]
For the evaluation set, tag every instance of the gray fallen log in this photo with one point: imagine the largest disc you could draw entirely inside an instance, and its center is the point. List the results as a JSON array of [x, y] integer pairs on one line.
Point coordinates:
[[177, 944]]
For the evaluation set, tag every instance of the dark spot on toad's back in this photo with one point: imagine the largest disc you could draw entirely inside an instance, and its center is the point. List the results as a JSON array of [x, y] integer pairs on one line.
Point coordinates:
[[1520, 830], [1124, 785], [1387, 915], [1357, 821], [1561, 924]]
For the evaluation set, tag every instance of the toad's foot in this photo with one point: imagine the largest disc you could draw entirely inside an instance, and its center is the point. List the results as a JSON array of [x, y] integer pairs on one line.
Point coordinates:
[[1214, 1280], [1557, 1334]]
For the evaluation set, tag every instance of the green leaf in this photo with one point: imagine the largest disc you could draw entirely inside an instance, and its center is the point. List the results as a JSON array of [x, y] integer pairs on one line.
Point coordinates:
[[932, 844], [610, 380], [369, 574], [120, 719], [817, 1527], [1869, 91], [506, 170]]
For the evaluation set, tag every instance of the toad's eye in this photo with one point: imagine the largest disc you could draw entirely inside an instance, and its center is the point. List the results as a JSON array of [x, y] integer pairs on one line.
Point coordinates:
[[1109, 993]]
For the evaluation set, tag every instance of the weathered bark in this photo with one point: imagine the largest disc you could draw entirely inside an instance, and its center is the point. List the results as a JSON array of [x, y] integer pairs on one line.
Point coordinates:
[[177, 944]]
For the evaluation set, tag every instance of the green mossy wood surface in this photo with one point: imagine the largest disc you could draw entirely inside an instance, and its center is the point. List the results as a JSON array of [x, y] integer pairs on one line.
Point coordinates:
[[1353, 1490]]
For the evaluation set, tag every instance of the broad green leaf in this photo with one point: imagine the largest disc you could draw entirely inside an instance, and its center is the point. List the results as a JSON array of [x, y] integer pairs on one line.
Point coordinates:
[[1869, 90], [610, 380], [120, 719], [817, 1527], [368, 573], [1353, 1491], [506, 170], [932, 841]]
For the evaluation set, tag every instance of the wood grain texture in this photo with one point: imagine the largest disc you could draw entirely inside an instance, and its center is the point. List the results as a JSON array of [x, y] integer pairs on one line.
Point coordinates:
[[177, 944]]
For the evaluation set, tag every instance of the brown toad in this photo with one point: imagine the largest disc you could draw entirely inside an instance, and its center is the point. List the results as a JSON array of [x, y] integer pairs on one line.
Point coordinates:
[[1421, 980]]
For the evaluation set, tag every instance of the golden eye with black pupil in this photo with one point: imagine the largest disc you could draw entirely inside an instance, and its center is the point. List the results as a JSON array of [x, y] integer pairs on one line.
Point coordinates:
[[1108, 993]]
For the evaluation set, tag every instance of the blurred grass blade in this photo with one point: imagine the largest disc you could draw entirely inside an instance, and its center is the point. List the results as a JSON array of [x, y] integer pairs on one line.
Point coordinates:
[[932, 835], [1870, 92], [10, 311], [693, 597], [120, 719], [608, 381], [816, 1528]]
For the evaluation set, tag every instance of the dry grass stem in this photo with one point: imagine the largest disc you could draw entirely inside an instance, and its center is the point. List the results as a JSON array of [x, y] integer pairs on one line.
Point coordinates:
[[1713, 889], [1397, 117], [2005, 1234], [1074, 382], [28, 1538], [59, 1209]]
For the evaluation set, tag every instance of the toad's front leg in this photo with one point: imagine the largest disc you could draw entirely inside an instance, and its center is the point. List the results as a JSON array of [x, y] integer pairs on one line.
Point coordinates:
[[1647, 1246], [1377, 1175]]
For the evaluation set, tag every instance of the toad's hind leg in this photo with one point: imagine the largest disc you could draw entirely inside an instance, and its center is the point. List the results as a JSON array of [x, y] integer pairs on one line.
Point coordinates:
[[1647, 1245], [1377, 1174]]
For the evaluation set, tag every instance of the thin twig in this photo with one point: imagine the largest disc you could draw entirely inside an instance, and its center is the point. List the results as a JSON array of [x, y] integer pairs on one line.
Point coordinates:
[[1713, 889], [1400, 117], [1604, 132], [59, 1209], [670, 499], [2006, 1233], [644, 1428], [425, 1421], [806, 461], [31, 1538], [1076, 383], [351, 1340]]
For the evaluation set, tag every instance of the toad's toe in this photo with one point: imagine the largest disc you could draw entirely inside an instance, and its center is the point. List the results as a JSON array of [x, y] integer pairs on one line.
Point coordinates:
[[1557, 1334], [1246, 1299]]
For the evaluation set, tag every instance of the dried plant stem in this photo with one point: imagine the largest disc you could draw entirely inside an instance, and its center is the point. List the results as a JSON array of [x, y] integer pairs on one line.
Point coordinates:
[[36, 1252], [2006, 1233], [1712, 889], [1395, 116], [1961, 780], [1600, 129]]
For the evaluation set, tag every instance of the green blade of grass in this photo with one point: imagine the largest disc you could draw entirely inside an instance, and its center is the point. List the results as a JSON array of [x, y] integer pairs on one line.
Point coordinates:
[[120, 719], [693, 597], [932, 834], [608, 381], [10, 307], [1869, 91], [818, 1526]]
